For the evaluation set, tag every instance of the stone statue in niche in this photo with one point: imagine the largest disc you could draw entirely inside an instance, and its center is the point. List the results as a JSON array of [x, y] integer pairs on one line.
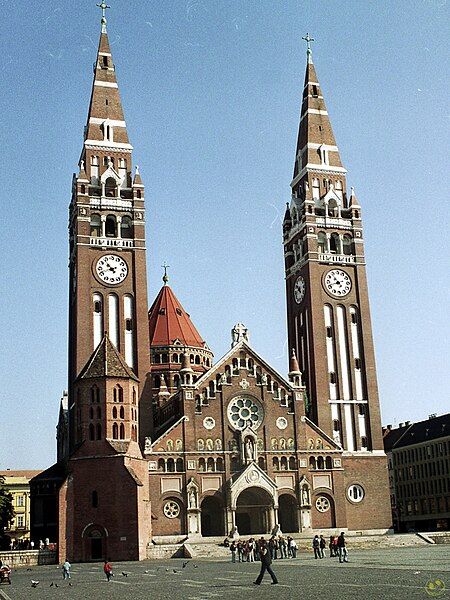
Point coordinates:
[[263, 379], [249, 449], [223, 379], [192, 498], [305, 495]]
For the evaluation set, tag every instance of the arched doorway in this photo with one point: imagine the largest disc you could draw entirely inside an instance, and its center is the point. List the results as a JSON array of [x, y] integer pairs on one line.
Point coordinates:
[[288, 513], [95, 543], [323, 512], [212, 517], [254, 510]]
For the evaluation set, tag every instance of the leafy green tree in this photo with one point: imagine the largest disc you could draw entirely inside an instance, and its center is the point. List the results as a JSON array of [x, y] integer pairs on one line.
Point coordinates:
[[6, 507]]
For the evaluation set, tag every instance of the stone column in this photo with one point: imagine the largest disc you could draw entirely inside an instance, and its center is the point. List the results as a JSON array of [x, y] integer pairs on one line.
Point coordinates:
[[103, 220]]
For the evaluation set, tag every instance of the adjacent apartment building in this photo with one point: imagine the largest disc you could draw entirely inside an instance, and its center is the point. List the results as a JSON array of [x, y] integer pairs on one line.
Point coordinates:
[[419, 473], [18, 485]]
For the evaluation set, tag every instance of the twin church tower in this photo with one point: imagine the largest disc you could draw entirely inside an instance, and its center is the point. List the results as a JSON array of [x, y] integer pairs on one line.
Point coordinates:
[[159, 439]]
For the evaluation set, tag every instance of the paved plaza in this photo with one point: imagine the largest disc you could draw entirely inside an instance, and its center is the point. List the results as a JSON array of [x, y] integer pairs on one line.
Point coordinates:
[[399, 573]]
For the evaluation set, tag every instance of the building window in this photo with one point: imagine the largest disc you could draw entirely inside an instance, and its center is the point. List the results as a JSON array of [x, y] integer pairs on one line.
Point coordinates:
[[20, 521], [96, 226], [20, 501], [125, 228], [94, 499], [355, 493], [321, 242], [333, 378]]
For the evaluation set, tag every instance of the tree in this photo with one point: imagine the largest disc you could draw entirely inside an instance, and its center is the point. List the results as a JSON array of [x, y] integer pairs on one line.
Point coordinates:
[[6, 507]]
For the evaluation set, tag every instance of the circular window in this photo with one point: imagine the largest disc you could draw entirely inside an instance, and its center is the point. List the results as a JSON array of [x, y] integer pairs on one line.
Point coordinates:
[[355, 493], [282, 423], [171, 509], [209, 423], [244, 411], [322, 504]]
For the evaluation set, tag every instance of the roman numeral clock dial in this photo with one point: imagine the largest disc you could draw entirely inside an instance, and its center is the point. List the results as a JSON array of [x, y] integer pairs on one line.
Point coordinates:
[[337, 283], [111, 269]]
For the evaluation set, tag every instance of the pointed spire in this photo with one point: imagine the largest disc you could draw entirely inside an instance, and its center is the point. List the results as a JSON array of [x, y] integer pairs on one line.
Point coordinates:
[[353, 199], [294, 368], [170, 323], [105, 123], [316, 145]]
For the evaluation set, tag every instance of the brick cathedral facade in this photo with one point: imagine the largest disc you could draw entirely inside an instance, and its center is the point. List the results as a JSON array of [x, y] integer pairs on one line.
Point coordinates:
[[159, 440]]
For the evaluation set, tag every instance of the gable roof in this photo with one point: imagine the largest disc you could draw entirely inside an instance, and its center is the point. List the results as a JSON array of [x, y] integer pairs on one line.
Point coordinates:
[[242, 345], [106, 361], [168, 322]]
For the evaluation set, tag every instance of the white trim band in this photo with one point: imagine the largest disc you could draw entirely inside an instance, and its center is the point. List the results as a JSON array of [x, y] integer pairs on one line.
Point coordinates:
[[108, 145], [113, 122], [107, 84]]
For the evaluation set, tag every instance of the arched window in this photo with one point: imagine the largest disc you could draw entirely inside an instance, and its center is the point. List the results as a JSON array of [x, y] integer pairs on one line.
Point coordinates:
[[122, 431], [161, 465], [320, 463], [275, 463], [134, 433], [201, 464], [82, 189], [335, 243], [125, 228], [197, 360], [191, 358], [114, 412], [110, 187], [138, 194], [292, 465], [312, 463], [122, 413], [322, 242], [328, 463], [170, 465], [111, 226], [180, 465], [176, 381], [91, 413], [347, 245], [333, 208], [165, 358], [91, 432], [115, 431], [211, 388], [94, 500], [134, 395], [315, 189], [262, 463], [235, 366], [99, 431], [175, 358], [283, 463], [120, 392], [99, 412], [219, 464], [210, 466]]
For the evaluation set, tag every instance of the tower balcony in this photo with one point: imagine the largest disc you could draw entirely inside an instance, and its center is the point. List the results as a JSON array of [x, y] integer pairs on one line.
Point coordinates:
[[110, 242], [329, 257], [335, 222], [109, 203]]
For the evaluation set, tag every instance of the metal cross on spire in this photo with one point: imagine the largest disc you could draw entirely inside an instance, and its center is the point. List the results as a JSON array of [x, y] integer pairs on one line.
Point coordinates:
[[308, 39], [165, 278], [103, 6]]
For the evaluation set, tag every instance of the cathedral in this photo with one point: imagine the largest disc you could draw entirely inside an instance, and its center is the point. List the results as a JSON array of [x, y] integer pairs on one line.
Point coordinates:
[[156, 439]]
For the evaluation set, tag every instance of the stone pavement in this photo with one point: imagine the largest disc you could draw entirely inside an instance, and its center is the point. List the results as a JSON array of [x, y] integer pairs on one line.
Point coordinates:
[[400, 573]]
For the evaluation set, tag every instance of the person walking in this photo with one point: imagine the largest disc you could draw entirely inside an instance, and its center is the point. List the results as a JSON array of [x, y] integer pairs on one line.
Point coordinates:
[[239, 551], [108, 570], [233, 549], [331, 546], [323, 545], [342, 548], [266, 562], [316, 546], [66, 569], [283, 547], [293, 548]]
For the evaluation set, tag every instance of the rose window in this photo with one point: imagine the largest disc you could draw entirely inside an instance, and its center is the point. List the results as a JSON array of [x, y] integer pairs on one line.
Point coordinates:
[[322, 504], [244, 411], [171, 509]]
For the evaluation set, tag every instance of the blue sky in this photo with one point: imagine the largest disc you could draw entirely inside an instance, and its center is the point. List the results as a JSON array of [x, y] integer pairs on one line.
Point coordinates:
[[211, 92]]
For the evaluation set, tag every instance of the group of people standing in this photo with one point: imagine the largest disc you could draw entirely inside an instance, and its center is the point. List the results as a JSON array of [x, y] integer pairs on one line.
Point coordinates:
[[336, 545], [249, 550]]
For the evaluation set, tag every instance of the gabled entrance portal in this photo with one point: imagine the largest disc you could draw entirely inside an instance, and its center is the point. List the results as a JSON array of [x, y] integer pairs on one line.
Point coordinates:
[[254, 510]]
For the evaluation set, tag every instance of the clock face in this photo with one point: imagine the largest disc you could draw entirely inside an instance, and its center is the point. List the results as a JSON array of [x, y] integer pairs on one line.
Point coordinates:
[[111, 269], [299, 289], [337, 283]]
